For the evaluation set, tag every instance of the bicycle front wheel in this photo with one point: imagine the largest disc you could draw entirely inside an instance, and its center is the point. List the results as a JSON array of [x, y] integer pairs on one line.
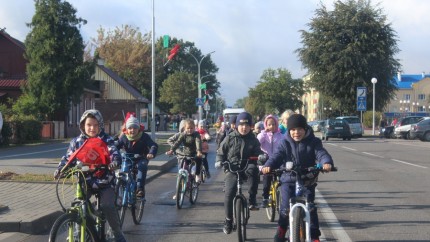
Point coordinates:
[[299, 229], [194, 191], [120, 195], [240, 220], [180, 191], [137, 210], [68, 228]]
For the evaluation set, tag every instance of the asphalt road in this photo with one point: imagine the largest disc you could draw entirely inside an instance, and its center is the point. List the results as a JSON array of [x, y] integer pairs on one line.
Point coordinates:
[[380, 193]]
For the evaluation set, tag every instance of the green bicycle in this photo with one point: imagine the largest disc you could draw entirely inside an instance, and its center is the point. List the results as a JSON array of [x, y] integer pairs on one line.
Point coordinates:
[[82, 221]]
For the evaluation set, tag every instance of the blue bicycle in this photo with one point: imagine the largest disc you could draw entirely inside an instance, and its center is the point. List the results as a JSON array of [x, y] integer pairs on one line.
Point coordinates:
[[125, 189]]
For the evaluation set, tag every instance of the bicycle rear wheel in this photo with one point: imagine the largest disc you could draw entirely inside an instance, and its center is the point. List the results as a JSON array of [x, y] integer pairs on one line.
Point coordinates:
[[137, 210], [299, 229], [240, 220], [271, 209], [67, 226], [194, 191], [180, 191]]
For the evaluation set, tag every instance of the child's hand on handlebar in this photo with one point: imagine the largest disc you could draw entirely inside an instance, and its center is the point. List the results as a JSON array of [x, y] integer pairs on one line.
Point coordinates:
[[170, 152], [199, 154], [265, 170], [327, 167], [149, 156]]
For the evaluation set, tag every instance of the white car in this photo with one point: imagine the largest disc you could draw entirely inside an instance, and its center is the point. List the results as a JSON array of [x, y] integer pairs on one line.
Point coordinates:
[[403, 127]]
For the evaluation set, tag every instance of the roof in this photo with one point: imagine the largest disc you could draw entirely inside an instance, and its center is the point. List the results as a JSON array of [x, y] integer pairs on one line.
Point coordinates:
[[13, 40], [408, 79], [132, 90]]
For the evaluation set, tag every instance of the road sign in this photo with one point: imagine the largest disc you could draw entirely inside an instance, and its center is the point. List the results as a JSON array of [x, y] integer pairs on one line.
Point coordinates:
[[361, 99], [199, 102]]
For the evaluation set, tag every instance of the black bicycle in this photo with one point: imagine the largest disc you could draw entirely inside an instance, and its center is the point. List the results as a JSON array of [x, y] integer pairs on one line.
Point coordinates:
[[241, 212]]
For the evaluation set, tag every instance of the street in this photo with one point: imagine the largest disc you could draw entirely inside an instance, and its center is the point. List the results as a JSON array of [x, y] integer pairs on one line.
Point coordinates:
[[380, 193]]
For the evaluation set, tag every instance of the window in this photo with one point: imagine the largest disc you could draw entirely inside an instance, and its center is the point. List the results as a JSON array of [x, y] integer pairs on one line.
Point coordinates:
[[421, 97], [407, 96]]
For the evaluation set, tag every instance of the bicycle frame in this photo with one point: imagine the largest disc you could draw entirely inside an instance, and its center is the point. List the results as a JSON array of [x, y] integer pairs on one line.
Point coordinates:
[[184, 171], [127, 170], [294, 206], [239, 195]]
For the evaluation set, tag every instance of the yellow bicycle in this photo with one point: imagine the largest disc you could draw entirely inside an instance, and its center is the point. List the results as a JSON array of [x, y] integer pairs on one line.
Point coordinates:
[[274, 195]]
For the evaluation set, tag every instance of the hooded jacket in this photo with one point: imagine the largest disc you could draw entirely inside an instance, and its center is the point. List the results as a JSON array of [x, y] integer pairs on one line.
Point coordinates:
[[269, 141], [107, 178], [237, 148], [307, 152]]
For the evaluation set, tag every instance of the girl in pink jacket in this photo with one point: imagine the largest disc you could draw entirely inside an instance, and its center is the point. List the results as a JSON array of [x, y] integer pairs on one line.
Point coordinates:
[[269, 139]]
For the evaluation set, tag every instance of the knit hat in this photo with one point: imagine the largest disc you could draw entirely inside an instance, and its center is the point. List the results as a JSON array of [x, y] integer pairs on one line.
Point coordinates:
[[244, 118], [232, 119], [297, 121], [132, 122]]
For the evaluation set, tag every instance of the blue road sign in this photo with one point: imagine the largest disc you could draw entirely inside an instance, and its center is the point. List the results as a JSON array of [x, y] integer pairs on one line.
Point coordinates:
[[361, 99], [199, 102]]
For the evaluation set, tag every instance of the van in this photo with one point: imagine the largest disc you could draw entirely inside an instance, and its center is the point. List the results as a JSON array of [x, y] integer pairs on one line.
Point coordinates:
[[228, 112], [354, 125]]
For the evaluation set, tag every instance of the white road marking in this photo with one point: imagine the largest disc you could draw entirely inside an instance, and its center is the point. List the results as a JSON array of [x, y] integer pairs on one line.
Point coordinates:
[[372, 154], [348, 148], [39, 152], [331, 219], [407, 163]]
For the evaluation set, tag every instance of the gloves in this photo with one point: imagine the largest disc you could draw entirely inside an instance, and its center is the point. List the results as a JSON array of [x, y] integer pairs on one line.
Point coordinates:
[[262, 159], [218, 165], [112, 165]]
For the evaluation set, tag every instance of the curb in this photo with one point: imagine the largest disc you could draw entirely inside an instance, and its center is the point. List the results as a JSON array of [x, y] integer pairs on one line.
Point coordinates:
[[45, 222]]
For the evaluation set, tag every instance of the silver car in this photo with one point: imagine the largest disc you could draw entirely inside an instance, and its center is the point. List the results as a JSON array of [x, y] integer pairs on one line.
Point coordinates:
[[354, 124]]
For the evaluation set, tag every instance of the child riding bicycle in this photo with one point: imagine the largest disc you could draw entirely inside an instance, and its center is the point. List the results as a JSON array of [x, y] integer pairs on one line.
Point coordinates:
[[269, 139], [304, 149], [205, 137], [191, 142], [237, 147], [101, 182], [134, 140]]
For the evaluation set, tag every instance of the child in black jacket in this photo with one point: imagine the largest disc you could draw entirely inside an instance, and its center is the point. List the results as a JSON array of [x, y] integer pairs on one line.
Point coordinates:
[[237, 147]]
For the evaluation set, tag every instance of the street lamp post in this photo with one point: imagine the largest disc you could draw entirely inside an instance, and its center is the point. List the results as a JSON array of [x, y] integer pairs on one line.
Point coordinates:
[[199, 80], [374, 81]]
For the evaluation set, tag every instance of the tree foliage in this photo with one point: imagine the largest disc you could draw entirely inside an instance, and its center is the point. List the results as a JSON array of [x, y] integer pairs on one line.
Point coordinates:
[[275, 92], [127, 52], [54, 49], [180, 83], [344, 48]]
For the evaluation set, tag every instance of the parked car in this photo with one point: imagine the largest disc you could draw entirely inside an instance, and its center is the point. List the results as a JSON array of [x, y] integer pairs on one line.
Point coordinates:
[[355, 125], [421, 130], [336, 128], [403, 126]]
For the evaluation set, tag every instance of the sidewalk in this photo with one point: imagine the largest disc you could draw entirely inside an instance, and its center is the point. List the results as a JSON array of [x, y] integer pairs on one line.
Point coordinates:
[[32, 208]]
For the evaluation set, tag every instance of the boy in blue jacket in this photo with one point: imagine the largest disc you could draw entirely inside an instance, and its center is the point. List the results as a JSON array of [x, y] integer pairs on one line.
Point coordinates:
[[303, 148]]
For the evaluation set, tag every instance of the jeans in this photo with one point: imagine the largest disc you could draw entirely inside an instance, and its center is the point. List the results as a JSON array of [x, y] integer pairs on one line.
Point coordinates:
[[142, 171], [267, 182]]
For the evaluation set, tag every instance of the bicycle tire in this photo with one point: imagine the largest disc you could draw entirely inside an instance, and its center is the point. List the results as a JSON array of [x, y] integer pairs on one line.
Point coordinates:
[[194, 191], [240, 220], [180, 191], [298, 229], [203, 174], [271, 209], [137, 210], [60, 230], [120, 195]]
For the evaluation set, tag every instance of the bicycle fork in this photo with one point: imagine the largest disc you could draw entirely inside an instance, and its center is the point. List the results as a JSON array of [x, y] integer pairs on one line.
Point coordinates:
[[184, 173], [307, 219]]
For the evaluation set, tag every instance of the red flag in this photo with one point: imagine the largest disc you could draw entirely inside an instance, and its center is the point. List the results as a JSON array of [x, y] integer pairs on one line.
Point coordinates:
[[174, 51]]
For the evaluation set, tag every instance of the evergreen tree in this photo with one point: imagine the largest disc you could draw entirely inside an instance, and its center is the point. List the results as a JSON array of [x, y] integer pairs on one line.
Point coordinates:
[[345, 48], [54, 49]]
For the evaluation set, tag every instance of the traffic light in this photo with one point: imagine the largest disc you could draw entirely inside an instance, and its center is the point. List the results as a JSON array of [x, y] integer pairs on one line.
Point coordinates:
[[174, 51]]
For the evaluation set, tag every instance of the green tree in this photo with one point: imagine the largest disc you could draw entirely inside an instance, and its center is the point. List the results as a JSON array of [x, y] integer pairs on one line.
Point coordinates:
[[344, 48], [275, 92], [54, 49], [180, 83]]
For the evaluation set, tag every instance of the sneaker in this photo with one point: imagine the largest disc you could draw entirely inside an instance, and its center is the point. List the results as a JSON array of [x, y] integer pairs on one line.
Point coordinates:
[[140, 193], [316, 240], [253, 204], [174, 197], [228, 226], [265, 203], [198, 178], [208, 175], [280, 235]]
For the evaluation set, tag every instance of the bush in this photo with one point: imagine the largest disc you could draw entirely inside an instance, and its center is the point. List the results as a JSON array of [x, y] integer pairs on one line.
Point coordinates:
[[368, 119], [6, 134]]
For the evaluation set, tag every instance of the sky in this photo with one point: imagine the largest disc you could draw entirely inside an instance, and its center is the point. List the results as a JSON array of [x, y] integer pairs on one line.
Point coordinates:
[[248, 36]]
